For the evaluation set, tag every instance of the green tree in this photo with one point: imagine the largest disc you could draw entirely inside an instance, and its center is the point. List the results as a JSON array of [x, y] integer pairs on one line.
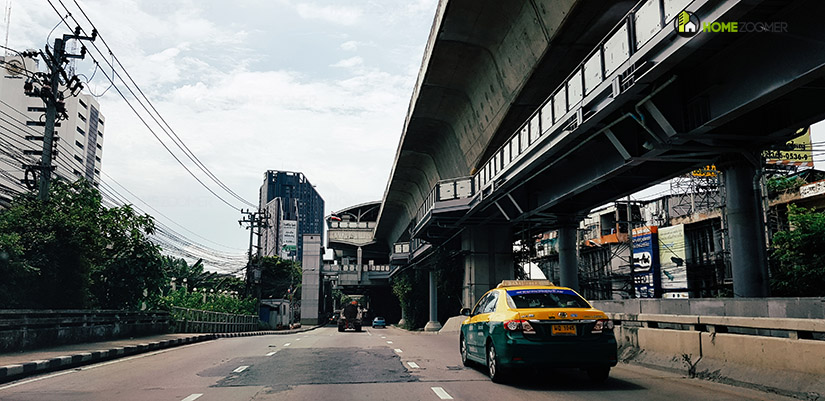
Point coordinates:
[[278, 276], [798, 255], [73, 252]]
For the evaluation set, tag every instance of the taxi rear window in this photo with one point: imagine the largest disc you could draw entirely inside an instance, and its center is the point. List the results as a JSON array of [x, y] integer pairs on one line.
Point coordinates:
[[545, 298]]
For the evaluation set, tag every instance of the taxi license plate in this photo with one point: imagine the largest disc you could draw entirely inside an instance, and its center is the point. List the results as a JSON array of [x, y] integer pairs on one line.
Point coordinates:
[[563, 329]]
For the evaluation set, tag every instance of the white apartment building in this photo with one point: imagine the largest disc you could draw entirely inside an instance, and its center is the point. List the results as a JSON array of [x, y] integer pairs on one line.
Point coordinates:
[[80, 137]]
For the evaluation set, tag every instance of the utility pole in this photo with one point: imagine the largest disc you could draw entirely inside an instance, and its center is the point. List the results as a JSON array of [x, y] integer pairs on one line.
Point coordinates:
[[254, 219], [53, 98]]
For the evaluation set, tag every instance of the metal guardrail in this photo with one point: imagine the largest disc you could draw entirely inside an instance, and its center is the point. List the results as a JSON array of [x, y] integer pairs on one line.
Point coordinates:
[[200, 321], [563, 108], [791, 328], [446, 190], [355, 268]]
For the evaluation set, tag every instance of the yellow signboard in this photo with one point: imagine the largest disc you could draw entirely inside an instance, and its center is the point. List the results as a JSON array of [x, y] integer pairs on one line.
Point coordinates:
[[798, 151], [707, 171]]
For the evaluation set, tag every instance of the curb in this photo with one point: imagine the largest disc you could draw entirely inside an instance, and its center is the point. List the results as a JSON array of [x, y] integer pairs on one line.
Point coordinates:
[[17, 371]]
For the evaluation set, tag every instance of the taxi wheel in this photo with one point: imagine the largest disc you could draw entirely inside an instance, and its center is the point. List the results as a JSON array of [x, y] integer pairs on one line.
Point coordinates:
[[463, 349], [598, 375], [494, 369]]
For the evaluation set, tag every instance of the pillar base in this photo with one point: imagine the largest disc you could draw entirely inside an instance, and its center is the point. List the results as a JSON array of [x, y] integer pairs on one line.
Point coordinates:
[[401, 322], [432, 326]]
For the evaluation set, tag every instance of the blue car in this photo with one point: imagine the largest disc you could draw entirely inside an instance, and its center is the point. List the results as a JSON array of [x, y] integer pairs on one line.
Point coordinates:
[[379, 322]]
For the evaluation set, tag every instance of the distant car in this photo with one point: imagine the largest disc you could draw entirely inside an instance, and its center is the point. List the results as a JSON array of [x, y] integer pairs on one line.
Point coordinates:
[[379, 322], [535, 323]]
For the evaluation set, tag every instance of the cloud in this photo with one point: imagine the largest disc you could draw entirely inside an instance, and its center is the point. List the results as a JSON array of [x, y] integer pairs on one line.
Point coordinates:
[[349, 45], [349, 62], [334, 14]]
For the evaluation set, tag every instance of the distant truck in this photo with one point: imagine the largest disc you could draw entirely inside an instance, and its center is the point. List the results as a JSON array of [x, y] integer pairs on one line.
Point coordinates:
[[350, 318]]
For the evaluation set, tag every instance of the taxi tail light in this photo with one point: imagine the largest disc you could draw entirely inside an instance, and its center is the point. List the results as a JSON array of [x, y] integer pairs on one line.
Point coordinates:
[[602, 324], [519, 325]]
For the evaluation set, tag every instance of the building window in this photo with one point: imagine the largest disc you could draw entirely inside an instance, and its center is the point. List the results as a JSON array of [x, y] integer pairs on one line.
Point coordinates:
[[97, 158], [99, 147], [80, 131], [78, 144], [37, 109], [82, 103], [99, 121], [81, 117], [76, 157]]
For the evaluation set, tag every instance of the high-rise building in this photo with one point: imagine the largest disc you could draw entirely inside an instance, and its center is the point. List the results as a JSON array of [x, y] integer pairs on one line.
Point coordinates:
[[295, 208], [79, 138]]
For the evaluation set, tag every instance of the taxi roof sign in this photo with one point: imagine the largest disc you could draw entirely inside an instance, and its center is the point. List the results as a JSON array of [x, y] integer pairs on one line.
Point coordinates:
[[517, 283]]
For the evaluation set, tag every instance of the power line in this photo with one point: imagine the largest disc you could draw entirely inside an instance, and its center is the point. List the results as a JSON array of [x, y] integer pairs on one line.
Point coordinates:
[[156, 116]]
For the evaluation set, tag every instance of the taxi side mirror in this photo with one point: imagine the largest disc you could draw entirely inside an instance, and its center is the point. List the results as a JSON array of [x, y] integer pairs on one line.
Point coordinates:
[[465, 311]]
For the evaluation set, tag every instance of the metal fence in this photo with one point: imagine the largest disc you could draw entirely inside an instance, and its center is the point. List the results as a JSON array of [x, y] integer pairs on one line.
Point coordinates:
[[200, 321]]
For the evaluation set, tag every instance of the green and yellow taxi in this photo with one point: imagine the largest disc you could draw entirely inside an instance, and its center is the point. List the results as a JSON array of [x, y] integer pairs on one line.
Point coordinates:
[[524, 323]]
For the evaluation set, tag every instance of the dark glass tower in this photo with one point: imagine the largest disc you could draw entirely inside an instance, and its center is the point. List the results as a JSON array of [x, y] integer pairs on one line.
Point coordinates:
[[289, 196]]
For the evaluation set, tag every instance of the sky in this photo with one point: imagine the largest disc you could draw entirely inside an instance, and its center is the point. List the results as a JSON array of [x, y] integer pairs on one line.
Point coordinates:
[[320, 87]]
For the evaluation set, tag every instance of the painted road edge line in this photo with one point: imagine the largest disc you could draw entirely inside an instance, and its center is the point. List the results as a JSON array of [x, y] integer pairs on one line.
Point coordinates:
[[441, 393], [192, 397], [240, 369]]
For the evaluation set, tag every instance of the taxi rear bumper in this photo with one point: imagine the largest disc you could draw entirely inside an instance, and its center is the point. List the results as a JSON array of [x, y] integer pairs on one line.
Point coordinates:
[[596, 351]]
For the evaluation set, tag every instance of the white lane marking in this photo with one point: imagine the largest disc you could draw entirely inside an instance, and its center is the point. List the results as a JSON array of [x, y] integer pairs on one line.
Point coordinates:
[[441, 393], [383, 336], [297, 339], [287, 344], [369, 332], [240, 369], [413, 365], [271, 353], [192, 397], [389, 342], [398, 350]]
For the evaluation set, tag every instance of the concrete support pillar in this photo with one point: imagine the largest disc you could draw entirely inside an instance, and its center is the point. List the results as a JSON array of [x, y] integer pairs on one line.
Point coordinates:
[[488, 260], [433, 324], [568, 256], [745, 229], [311, 279]]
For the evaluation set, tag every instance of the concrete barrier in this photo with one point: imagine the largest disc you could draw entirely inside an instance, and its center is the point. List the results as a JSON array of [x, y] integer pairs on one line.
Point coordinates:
[[26, 329], [782, 355]]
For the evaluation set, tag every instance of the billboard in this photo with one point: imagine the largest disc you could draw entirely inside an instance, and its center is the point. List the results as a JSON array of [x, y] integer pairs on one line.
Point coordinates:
[[797, 151], [288, 237], [646, 262], [672, 261]]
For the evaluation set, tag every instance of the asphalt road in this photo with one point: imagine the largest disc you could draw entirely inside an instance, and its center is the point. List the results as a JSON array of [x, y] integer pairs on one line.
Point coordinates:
[[378, 364]]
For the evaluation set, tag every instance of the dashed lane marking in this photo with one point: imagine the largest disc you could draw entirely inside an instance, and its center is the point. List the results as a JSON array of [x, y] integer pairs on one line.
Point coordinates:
[[287, 344], [240, 369], [441, 393], [192, 397], [413, 365], [389, 342], [271, 353], [398, 350]]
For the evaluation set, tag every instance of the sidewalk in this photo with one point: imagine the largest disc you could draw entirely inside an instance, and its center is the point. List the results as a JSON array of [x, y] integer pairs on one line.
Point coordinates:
[[15, 365]]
